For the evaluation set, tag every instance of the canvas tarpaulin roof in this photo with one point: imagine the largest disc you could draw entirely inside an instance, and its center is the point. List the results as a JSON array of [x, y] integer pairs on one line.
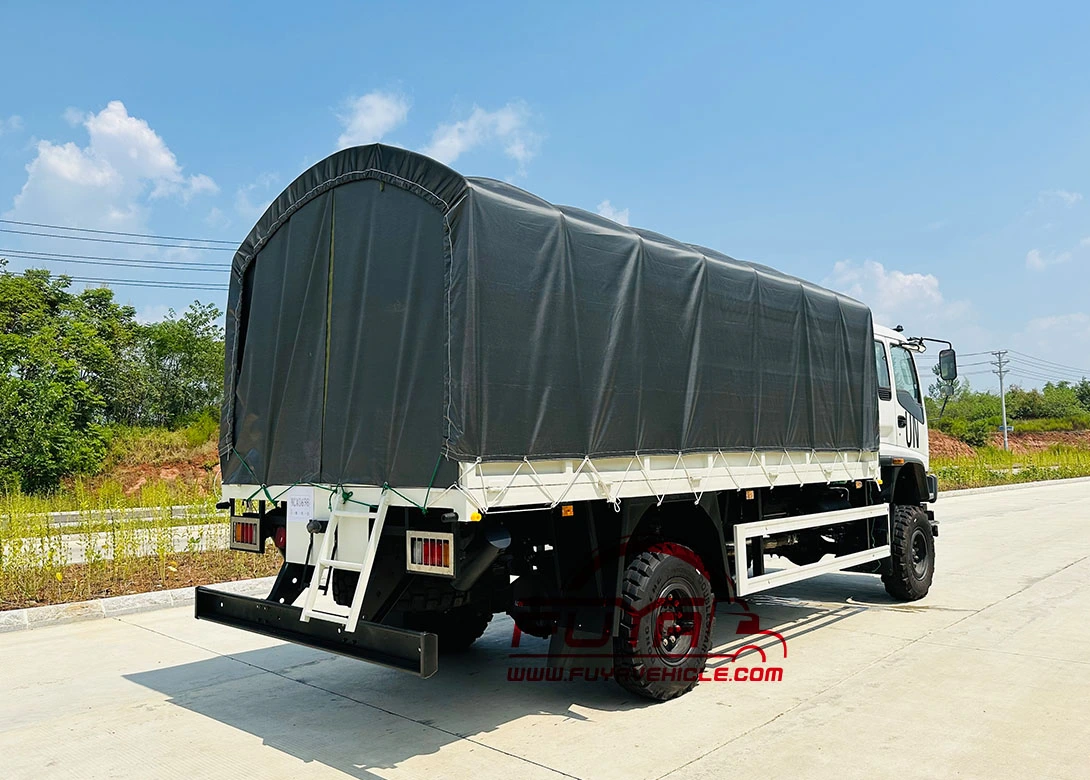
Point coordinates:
[[388, 317]]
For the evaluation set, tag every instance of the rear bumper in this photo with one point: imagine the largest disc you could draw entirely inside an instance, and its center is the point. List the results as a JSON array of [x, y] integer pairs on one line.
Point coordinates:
[[409, 651]]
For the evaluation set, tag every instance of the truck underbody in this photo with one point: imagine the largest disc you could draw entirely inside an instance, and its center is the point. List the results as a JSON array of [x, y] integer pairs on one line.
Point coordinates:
[[408, 582]]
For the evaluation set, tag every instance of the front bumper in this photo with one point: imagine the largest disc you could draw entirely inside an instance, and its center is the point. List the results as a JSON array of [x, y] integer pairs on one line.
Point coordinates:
[[416, 652]]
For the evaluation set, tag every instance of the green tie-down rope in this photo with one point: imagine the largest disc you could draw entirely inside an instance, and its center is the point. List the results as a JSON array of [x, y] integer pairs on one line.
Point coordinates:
[[346, 495]]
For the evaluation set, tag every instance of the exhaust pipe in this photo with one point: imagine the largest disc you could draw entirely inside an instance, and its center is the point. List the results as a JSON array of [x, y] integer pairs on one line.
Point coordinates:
[[497, 540]]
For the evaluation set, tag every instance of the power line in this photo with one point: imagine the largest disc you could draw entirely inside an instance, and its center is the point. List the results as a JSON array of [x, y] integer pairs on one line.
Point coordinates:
[[1031, 358], [170, 285], [61, 257], [132, 264], [118, 232], [1052, 373], [115, 240]]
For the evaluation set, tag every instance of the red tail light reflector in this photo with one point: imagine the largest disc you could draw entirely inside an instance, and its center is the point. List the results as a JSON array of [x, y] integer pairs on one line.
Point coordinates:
[[429, 552]]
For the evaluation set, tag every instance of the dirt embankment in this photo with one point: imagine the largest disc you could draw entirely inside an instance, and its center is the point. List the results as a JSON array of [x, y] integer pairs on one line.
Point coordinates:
[[1035, 442], [195, 466], [945, 446]]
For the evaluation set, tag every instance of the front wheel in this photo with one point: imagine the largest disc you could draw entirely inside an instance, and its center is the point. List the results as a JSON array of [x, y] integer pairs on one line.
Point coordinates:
[[666, 626], [912, 560]]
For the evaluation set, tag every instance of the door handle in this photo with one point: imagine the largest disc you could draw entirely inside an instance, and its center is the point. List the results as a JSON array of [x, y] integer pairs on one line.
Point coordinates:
[[902, 421]]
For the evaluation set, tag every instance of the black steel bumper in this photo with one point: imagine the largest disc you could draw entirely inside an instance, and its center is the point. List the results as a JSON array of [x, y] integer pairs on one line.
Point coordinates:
[[397, 648]]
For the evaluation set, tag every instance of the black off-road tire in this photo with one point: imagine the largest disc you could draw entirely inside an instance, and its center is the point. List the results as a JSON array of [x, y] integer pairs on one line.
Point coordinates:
[[456, 628], [668, 578], [912, 562]]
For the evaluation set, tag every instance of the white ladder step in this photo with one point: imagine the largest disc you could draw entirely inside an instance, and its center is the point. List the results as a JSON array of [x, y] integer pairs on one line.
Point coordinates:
[[326, 561]]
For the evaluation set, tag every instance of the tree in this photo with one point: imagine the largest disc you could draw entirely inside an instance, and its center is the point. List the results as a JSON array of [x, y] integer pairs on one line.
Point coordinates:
[[942, 390], [180, 365], [1082, 393], [59, 358]]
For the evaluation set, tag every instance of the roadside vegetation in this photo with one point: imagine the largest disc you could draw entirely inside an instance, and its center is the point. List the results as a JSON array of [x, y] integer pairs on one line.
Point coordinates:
[[1050, 436], [995, 466]]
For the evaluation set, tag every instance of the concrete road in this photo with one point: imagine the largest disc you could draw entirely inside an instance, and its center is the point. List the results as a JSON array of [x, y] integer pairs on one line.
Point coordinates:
[[988, 677]]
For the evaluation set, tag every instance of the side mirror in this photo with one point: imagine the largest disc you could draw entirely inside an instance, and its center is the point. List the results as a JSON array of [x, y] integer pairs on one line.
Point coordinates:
[[948, 365]]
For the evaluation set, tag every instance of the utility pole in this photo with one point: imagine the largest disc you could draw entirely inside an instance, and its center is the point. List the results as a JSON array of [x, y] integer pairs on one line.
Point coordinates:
[[1000, 363]]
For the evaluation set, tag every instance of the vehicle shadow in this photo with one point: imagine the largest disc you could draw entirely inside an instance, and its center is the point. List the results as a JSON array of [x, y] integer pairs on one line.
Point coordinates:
[[357, 717]]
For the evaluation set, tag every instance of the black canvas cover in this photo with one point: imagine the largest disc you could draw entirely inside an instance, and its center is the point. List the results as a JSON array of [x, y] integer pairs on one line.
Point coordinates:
[[388, 317]]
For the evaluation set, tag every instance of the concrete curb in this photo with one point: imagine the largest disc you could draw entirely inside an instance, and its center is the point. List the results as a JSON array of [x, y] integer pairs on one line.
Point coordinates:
[[1013, 486], [56, 614]]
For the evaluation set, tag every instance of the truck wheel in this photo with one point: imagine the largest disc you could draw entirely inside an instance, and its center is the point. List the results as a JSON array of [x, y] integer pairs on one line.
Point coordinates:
[[456, 628], [666, 626], [912, 562]]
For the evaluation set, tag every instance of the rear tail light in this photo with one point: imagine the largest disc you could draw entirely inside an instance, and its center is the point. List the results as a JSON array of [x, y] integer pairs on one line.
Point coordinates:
[[246, 535], [429, 552]]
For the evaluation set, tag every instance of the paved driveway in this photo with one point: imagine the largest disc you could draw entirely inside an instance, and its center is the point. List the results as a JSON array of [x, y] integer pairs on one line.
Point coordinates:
[[988, 677]]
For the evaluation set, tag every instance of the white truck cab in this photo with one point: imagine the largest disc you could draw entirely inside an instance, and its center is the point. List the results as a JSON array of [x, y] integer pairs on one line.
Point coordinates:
[[902, 418]]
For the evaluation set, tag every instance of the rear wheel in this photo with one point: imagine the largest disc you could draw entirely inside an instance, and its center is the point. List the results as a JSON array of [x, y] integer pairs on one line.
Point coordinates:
[[456, 628], [666, 625], [912, 560]]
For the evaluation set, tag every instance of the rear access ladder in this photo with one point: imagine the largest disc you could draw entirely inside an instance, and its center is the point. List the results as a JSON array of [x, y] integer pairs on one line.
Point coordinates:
[[373, 518]]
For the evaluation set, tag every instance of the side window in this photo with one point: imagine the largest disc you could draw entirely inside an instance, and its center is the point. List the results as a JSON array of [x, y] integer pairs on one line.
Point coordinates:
[[904, 372], [884, 389]]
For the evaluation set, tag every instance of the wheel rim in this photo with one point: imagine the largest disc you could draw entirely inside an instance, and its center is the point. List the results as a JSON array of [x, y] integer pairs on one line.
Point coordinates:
[[919, 554], [674, 627]]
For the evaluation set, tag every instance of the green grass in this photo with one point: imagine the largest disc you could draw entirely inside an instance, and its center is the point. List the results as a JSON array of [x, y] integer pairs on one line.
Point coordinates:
[[993, 466], [35, 551]]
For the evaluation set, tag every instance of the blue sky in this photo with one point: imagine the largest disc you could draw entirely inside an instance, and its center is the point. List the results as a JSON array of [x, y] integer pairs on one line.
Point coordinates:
[[933, 161]]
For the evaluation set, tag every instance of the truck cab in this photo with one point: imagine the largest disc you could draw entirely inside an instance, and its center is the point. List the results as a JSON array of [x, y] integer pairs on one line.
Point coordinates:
[[902, 418]]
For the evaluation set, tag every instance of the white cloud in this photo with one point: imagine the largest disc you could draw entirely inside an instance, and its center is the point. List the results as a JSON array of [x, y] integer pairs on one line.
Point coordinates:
[[890, 292], [1039, 261], [252, 199], [1070, 323], [605, 208], [110, 182], [11, 124], [915, 300], [1065, 197], [153, 313], [509, 126], [1063, 339], [368, 118]]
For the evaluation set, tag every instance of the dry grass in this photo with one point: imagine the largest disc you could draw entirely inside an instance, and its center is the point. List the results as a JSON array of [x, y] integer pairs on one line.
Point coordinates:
[[82, 581]]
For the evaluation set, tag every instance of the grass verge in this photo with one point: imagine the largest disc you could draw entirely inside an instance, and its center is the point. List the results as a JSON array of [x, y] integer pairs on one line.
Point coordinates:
[[83, 581], [993, 466]]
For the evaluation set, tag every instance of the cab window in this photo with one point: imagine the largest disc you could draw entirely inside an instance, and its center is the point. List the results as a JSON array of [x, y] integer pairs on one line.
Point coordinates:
[[904, 372], [882, 363]]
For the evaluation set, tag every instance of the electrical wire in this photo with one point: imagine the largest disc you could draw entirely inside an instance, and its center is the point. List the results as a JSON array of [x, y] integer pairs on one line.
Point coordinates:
[[116, 241], [166, 284], [173, 265], [1048, 363], [118, 232]]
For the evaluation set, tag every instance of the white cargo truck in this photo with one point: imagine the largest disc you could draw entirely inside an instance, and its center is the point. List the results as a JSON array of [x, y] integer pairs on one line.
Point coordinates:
[[446, 398]]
